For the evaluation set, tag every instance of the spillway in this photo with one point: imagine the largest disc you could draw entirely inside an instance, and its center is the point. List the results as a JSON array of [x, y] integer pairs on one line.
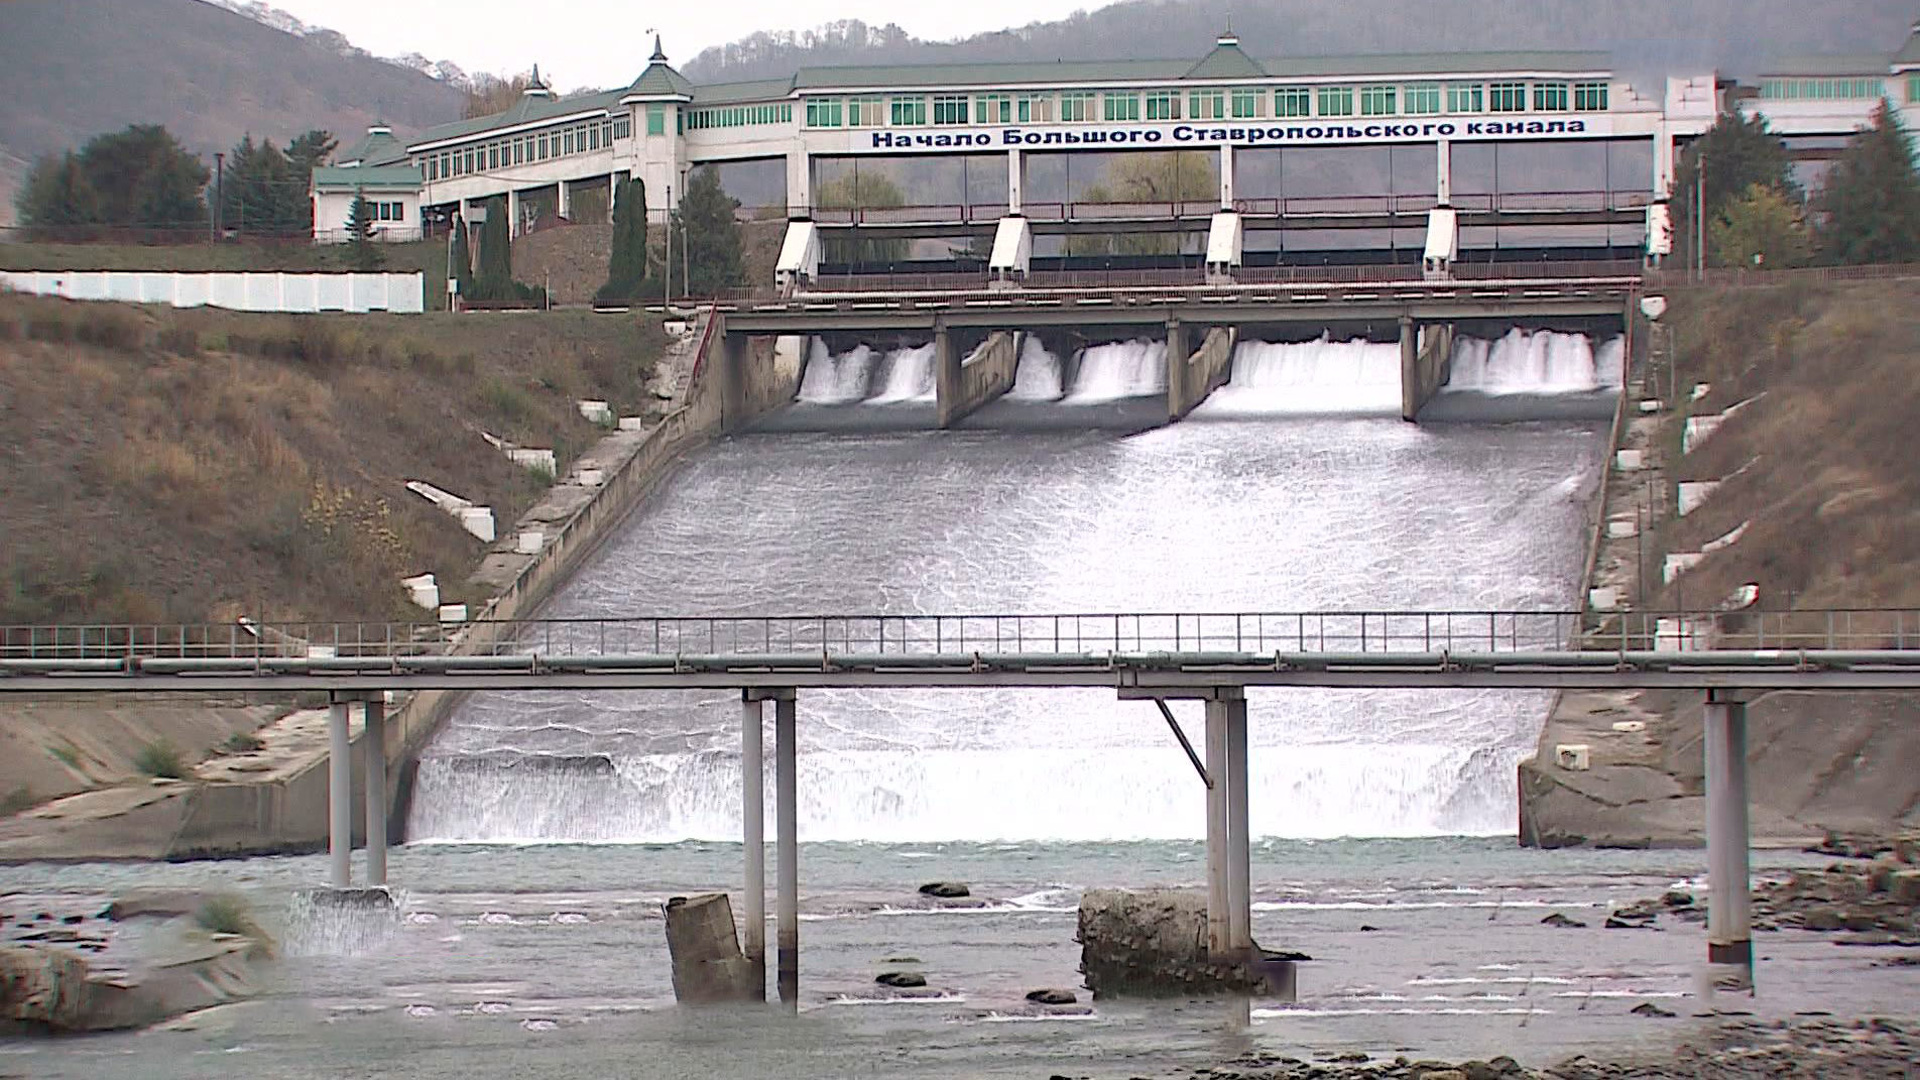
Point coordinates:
[[1332, 508]]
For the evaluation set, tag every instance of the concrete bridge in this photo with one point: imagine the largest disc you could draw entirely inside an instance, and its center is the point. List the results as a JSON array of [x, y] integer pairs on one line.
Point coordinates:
[[975, 354], [1215, 658]]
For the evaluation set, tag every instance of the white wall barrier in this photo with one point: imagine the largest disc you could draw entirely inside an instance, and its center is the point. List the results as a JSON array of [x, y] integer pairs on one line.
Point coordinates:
[[403, 293]]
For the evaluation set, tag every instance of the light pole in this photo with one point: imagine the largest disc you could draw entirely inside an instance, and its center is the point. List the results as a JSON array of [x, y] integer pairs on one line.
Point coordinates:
[[1700, 216], [666, 283]]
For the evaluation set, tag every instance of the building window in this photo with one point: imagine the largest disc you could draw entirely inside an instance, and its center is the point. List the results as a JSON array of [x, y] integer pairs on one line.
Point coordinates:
[[593, 136], [656, 119], [1292, 101], [1913, 89], [1076, 107], [1550, 97], [994, 108], [1336, 101], [1379, 100], [1246, 104], [623, 126], [1422, 99], [864, 112], [473, 160], [823, 112], [950, 108], [1121, 107], [909, 111], [433, 168], [1466, 98], [1507, 97], [1163, 105], [493, 155], [1590, 96], [1034, 108], [1207, 105]]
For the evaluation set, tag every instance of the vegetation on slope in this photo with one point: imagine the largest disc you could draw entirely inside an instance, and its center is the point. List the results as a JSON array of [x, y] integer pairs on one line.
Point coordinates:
[[192, 465], [1818, 462]]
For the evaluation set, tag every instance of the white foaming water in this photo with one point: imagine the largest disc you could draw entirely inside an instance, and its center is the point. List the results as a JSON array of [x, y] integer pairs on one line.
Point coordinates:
[[861, 374], [836, 379], [1536, 362], [1068, 794], [1357, 377], [1123, 369], [909, 377], [1037, 378]]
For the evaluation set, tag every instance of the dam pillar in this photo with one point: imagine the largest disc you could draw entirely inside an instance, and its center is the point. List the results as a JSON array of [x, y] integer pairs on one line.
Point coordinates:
[[375, 749], [964, 385], [339, 795], [1192, 376], [1730, 889], [786, 849], [753, 820], [1410, 400], [1426, 362]]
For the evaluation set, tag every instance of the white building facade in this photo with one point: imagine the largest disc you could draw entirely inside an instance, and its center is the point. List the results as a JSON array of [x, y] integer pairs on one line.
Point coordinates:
[[1226, 104]]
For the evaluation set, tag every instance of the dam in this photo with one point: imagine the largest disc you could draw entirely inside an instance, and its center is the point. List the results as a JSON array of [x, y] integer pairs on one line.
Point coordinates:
[[1295, 485]]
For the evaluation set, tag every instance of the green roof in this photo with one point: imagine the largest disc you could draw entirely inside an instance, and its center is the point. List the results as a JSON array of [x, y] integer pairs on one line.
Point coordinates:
[[371, 177], [1910, 52], [659, 80], [377, 145], [1857, 64], [1227, 61], [730, 93], [528, 109]]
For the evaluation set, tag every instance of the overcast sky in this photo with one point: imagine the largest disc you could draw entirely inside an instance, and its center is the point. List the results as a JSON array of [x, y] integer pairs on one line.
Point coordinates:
[[604, 43]]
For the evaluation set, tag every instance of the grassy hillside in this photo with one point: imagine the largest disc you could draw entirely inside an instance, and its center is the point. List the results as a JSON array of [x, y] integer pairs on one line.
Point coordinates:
[[1819, 463], [70, 69], [166, 465]]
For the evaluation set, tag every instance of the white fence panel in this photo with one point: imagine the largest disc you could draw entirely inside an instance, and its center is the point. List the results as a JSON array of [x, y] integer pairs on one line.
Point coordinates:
[[242, 292]]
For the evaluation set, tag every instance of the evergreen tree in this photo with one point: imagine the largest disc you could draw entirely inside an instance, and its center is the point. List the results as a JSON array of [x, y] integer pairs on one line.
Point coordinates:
[[145, 179], [1870, 205], [713, 256], [261, 193], [1740, 151], [493, 278], [58, 199], [462, 256], [305, 154], [363, 254], [627, 266]]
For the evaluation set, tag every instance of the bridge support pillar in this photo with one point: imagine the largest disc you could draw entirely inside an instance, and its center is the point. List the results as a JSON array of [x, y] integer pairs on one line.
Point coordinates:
[[375, 749], [1229, 874], [1217, 898], [339, 796], [1016, 181], [786, 850], [753, 820], [1730, 900], [513, 214]]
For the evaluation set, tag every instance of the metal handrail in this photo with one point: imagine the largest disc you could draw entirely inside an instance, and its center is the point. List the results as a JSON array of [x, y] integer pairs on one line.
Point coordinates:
[[1305, 633]]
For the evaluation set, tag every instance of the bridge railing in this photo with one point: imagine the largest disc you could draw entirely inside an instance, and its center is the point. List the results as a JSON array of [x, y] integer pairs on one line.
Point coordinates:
[[1198, 210], [1321, 633]]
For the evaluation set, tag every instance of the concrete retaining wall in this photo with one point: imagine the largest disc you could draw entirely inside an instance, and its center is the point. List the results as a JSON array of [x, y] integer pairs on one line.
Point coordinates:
[[965, 385], [1191, 377]]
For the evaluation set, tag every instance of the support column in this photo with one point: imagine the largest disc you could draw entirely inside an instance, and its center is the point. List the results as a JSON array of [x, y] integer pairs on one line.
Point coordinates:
[[564, 205], [1233, 704], [1443, 178], [786, 851], [753, 816], [1410, 401], [513, 213], [1226, 176], [375, 748], [613, 194], [1730, 900], [1016, 181], [339, 797], [1217, 886], [799, 185]]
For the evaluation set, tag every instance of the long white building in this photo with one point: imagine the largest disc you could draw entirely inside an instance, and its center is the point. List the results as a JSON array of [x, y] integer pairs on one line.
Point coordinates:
[[1291, 136]]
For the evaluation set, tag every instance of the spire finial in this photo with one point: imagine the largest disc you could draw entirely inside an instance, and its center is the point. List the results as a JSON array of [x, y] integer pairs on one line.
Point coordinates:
[[659, 55]]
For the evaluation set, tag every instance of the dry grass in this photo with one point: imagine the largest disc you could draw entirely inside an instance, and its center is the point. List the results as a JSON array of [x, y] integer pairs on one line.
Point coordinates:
[[218, 463], [1820, 465]]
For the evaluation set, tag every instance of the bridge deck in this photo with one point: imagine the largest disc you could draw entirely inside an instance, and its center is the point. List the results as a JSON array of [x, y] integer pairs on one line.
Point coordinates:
[[1851, 649]]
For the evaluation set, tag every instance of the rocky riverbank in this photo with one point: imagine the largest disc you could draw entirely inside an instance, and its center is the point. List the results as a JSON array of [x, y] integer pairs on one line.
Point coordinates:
[[1871, 1049]]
